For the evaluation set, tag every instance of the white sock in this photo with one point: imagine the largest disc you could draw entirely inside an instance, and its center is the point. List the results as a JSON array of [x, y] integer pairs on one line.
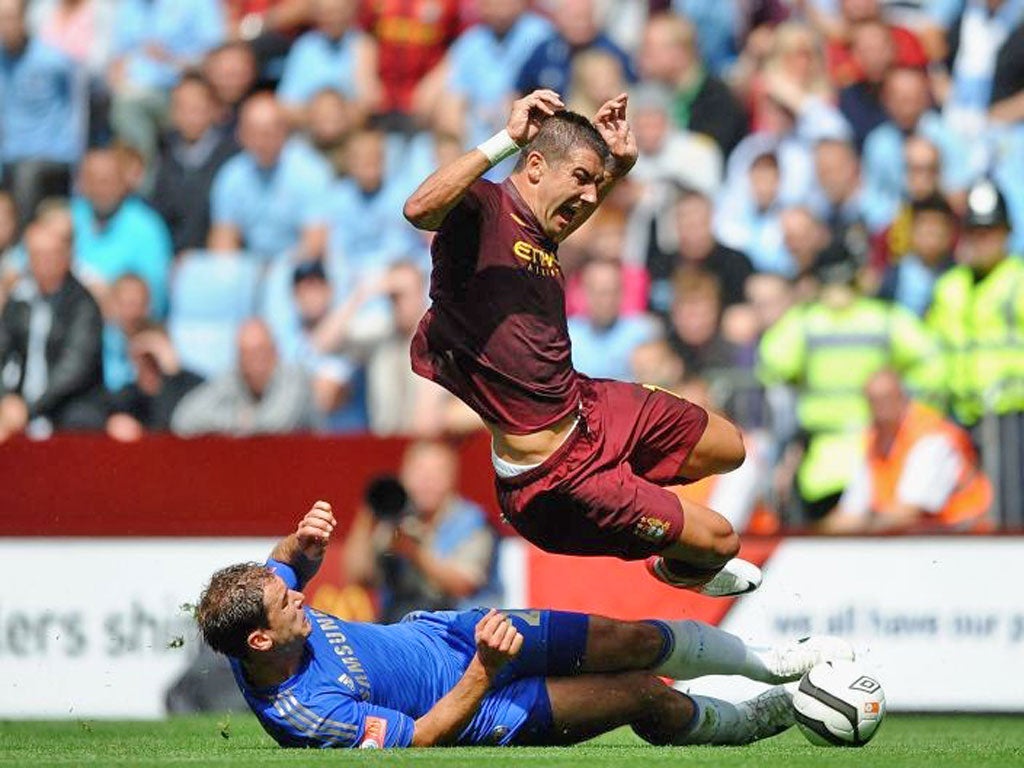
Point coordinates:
[[699, 649], [714, 722]]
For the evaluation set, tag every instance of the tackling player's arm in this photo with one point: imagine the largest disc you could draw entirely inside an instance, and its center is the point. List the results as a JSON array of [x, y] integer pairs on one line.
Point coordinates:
[[428, 206], [303, 550], [497, 643]]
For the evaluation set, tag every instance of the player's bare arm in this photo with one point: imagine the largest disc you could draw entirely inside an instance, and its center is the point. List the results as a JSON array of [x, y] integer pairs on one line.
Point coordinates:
[[427, 207], [497, 643], [611, 123], [304, 549]]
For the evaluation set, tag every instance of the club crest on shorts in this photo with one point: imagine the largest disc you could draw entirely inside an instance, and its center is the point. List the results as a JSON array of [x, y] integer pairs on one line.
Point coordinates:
[[651, 528]]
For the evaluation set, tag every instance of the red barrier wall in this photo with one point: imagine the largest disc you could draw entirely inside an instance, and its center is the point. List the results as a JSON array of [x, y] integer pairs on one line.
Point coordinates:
[[88, 485]]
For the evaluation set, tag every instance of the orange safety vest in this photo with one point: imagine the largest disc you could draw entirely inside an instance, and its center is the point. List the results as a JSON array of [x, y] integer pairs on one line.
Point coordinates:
[[967, 507]]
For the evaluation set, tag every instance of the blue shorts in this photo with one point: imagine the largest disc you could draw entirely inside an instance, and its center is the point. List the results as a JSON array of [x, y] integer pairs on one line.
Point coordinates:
[[517, 711]]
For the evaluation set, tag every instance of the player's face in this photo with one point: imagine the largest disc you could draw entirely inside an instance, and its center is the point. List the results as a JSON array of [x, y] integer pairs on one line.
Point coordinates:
[[567, 188], [287, 622]]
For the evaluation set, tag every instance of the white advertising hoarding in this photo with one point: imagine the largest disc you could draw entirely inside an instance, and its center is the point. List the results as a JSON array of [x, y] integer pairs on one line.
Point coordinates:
[[96, 627], [939, 621]]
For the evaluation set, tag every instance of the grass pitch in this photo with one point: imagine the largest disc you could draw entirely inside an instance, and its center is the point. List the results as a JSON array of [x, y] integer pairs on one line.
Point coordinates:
[[238, 741]]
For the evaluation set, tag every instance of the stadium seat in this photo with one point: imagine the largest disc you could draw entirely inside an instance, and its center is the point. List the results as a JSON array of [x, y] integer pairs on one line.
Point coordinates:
[[210, 297]]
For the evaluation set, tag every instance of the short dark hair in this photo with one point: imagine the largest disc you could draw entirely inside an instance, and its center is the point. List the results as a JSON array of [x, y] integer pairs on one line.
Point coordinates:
[[560, 134], [232, 606], [933, 203]]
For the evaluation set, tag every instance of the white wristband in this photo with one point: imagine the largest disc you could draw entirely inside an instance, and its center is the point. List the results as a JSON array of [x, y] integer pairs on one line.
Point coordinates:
[[498, 147]]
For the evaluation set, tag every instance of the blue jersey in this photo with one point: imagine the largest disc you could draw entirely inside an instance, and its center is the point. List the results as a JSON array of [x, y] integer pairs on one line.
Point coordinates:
[[363, 685]]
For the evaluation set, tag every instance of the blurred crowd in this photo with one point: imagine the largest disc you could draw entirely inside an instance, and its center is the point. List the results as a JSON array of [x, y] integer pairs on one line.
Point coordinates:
[[201, 227]]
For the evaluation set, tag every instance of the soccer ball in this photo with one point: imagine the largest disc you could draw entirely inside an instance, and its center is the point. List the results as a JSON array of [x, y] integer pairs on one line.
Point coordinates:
[[838, 705]]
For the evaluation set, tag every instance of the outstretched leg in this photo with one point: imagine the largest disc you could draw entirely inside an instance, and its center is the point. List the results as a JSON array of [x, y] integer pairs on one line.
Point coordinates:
[[587, 706], [683, 650]]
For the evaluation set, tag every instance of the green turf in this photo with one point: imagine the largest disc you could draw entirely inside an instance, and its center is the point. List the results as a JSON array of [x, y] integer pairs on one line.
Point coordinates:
[[928, 742]]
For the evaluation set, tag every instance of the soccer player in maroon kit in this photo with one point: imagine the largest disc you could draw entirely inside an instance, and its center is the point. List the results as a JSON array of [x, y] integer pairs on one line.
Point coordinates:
[[582, 464]]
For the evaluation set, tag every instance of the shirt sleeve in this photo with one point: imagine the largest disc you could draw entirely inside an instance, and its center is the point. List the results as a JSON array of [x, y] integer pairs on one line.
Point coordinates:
[[222, 210], [930, 474], [339, 721]]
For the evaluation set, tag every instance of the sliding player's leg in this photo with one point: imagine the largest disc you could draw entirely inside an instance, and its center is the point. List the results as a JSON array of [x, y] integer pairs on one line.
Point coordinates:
[[587, 706], [686, 649], [565, 644]]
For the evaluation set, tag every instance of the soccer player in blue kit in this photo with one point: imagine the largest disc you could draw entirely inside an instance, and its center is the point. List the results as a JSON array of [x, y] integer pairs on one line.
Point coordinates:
[[479, 677]]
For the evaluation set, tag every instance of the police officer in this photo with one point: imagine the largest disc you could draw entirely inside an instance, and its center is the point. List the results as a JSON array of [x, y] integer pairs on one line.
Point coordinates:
[[826, 350], [978, 315]]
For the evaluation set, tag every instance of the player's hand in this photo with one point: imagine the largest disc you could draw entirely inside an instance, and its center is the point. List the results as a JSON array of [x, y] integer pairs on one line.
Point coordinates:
[[315, 529], [497, 641], [529, 112], [610, 122]]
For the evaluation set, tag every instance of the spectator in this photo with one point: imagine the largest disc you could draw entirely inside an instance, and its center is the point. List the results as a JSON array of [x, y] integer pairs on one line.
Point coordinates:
[[920, 470], [263, 396], [576, 31], [10, 258], [154, 42], [330, 374], [481, 71], [334, 54], [795, 64], [42, 125], [751, 223], [596, 76], [190, 156], [81, 29], [978, 315], [1007, 101], [231, 70], [669, 154], [695, 325], [827, 349], [654, 362], [861, 101], [720, 24], [976, 40], [266, 27], [907, 102], [923, 162], [911, 280], [428, 547], [842, 66], [697, 248], [603, 238], [602, 339], [330, 123], [840, 201], [701, 102], [50, 344], [127, 313], [160, 383], [412, 39], [268, 199], [399, 401], [364, 210], [116, 233]]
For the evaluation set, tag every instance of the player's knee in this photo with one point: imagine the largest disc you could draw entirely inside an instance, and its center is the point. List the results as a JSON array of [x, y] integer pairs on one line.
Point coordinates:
[[622, 645], [727, 546], [660, 711], [733, 452]]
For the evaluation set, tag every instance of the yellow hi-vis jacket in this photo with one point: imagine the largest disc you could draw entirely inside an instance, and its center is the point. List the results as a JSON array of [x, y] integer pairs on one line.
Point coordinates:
[[828, 355], [981, 329]]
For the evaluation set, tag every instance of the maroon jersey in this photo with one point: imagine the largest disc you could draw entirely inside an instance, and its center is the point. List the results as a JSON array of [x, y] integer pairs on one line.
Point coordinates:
[[496, 335]]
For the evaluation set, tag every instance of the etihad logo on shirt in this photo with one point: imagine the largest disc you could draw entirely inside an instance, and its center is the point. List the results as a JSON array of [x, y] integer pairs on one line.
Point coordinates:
[[537, 260]]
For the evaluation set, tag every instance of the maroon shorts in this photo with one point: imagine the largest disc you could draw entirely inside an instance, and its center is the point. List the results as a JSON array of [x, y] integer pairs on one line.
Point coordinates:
[[601, 492]]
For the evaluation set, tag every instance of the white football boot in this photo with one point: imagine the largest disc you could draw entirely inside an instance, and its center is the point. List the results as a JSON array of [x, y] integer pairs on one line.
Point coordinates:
[[791, 662], [765, 715], [737, 577]]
